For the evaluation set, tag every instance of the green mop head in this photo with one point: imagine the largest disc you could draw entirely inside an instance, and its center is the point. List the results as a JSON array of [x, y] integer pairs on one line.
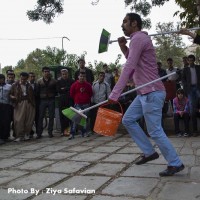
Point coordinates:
[[75, 116], [104, 41]]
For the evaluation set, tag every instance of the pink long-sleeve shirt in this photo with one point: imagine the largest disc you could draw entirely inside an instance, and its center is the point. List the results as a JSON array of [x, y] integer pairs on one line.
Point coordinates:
[[140, 65]]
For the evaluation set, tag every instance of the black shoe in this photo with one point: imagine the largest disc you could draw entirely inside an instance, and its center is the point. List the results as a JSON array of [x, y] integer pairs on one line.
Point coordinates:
[[2, 141], [71, 137], [170, 171], [38, 137], [195, 134], [51, 135], [142, 159]]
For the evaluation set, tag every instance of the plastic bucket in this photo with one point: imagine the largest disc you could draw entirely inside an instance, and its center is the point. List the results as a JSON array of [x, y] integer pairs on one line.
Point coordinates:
[[107, 121]]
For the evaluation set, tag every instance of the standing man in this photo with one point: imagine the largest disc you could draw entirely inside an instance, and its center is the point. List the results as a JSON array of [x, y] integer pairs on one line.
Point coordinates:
[[47, 92], [32, 81], [108, 76], [22, 96], [81, 93], [191, 86], [174, 79], [65, 101], [5, 110], [141, 66], [101, 90], [88, 72]]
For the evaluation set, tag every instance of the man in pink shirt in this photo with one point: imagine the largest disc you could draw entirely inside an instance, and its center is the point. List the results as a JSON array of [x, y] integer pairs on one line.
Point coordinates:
[[141, 66]]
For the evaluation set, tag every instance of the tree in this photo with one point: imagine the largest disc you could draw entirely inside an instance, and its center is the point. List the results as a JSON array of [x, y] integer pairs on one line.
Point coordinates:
[[46, 10], [190, 15], [169, 45]]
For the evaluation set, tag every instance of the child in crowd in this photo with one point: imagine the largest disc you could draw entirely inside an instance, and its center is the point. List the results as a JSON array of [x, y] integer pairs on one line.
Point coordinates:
[[181, 111]]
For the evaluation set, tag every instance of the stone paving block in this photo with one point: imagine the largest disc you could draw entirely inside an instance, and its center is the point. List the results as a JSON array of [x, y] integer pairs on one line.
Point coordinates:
[[88, 157], [59, 197], [188, 160], [101, 197], [195, 173], [7, 162], [4, 195], [196, 144], [35, 146], [34, 164], [77, 148], [105, 149], [68, 143], [52, 148], [93, 143], [186, 151], [66, 167], [146, 170], [125, 139], [104, 169], [135, 187], [8, 175], [130, 150], [177, 142], [7, 153], [180, 190], [83, 182], [59, 155], [13, 146], [34, 154], [37, 181], [198, 152], [117, 143], [103, 138], [123, 158]]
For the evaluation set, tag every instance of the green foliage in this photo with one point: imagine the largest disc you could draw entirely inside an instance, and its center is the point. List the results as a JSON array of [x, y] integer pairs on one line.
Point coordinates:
[[46, 10], [168, 45], [52, 56], [6, 68], [189, 14]]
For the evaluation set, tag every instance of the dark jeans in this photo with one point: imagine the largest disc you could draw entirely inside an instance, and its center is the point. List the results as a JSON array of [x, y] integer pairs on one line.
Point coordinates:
[[64, 102], [93, 115], [83, 129], [185, 118], [5, 120], [50, 105], [193, 96]]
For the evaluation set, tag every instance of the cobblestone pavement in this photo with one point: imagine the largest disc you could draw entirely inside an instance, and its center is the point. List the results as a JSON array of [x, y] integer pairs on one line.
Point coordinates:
[[59, 169]]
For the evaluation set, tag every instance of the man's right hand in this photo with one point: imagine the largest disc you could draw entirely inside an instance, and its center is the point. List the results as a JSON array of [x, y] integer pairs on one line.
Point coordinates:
[[122, 43]]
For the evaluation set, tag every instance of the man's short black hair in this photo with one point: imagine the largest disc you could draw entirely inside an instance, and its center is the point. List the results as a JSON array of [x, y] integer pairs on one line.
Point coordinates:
[[169, 59], [9, 71], [81, 59], [135, 17], [2, 76], [192, 56], [83, 73], [103, 73], [45, 68], [24, 74]]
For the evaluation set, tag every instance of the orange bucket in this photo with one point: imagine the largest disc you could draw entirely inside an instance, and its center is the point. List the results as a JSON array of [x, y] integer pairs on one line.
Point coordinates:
[[107, 121]]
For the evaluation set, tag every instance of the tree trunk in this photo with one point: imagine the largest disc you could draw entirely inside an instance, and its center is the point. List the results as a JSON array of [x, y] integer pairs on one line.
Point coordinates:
[[198, 9]]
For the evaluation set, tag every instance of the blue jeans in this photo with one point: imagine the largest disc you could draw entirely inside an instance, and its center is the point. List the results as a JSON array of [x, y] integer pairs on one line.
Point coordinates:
[[150, 106], [73, 126]]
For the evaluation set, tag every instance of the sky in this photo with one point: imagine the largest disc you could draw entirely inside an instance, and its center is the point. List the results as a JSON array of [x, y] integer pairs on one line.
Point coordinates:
[[81, 22]]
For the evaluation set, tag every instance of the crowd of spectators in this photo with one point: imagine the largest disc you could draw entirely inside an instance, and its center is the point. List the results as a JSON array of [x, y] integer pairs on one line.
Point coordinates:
[[25, 102]]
